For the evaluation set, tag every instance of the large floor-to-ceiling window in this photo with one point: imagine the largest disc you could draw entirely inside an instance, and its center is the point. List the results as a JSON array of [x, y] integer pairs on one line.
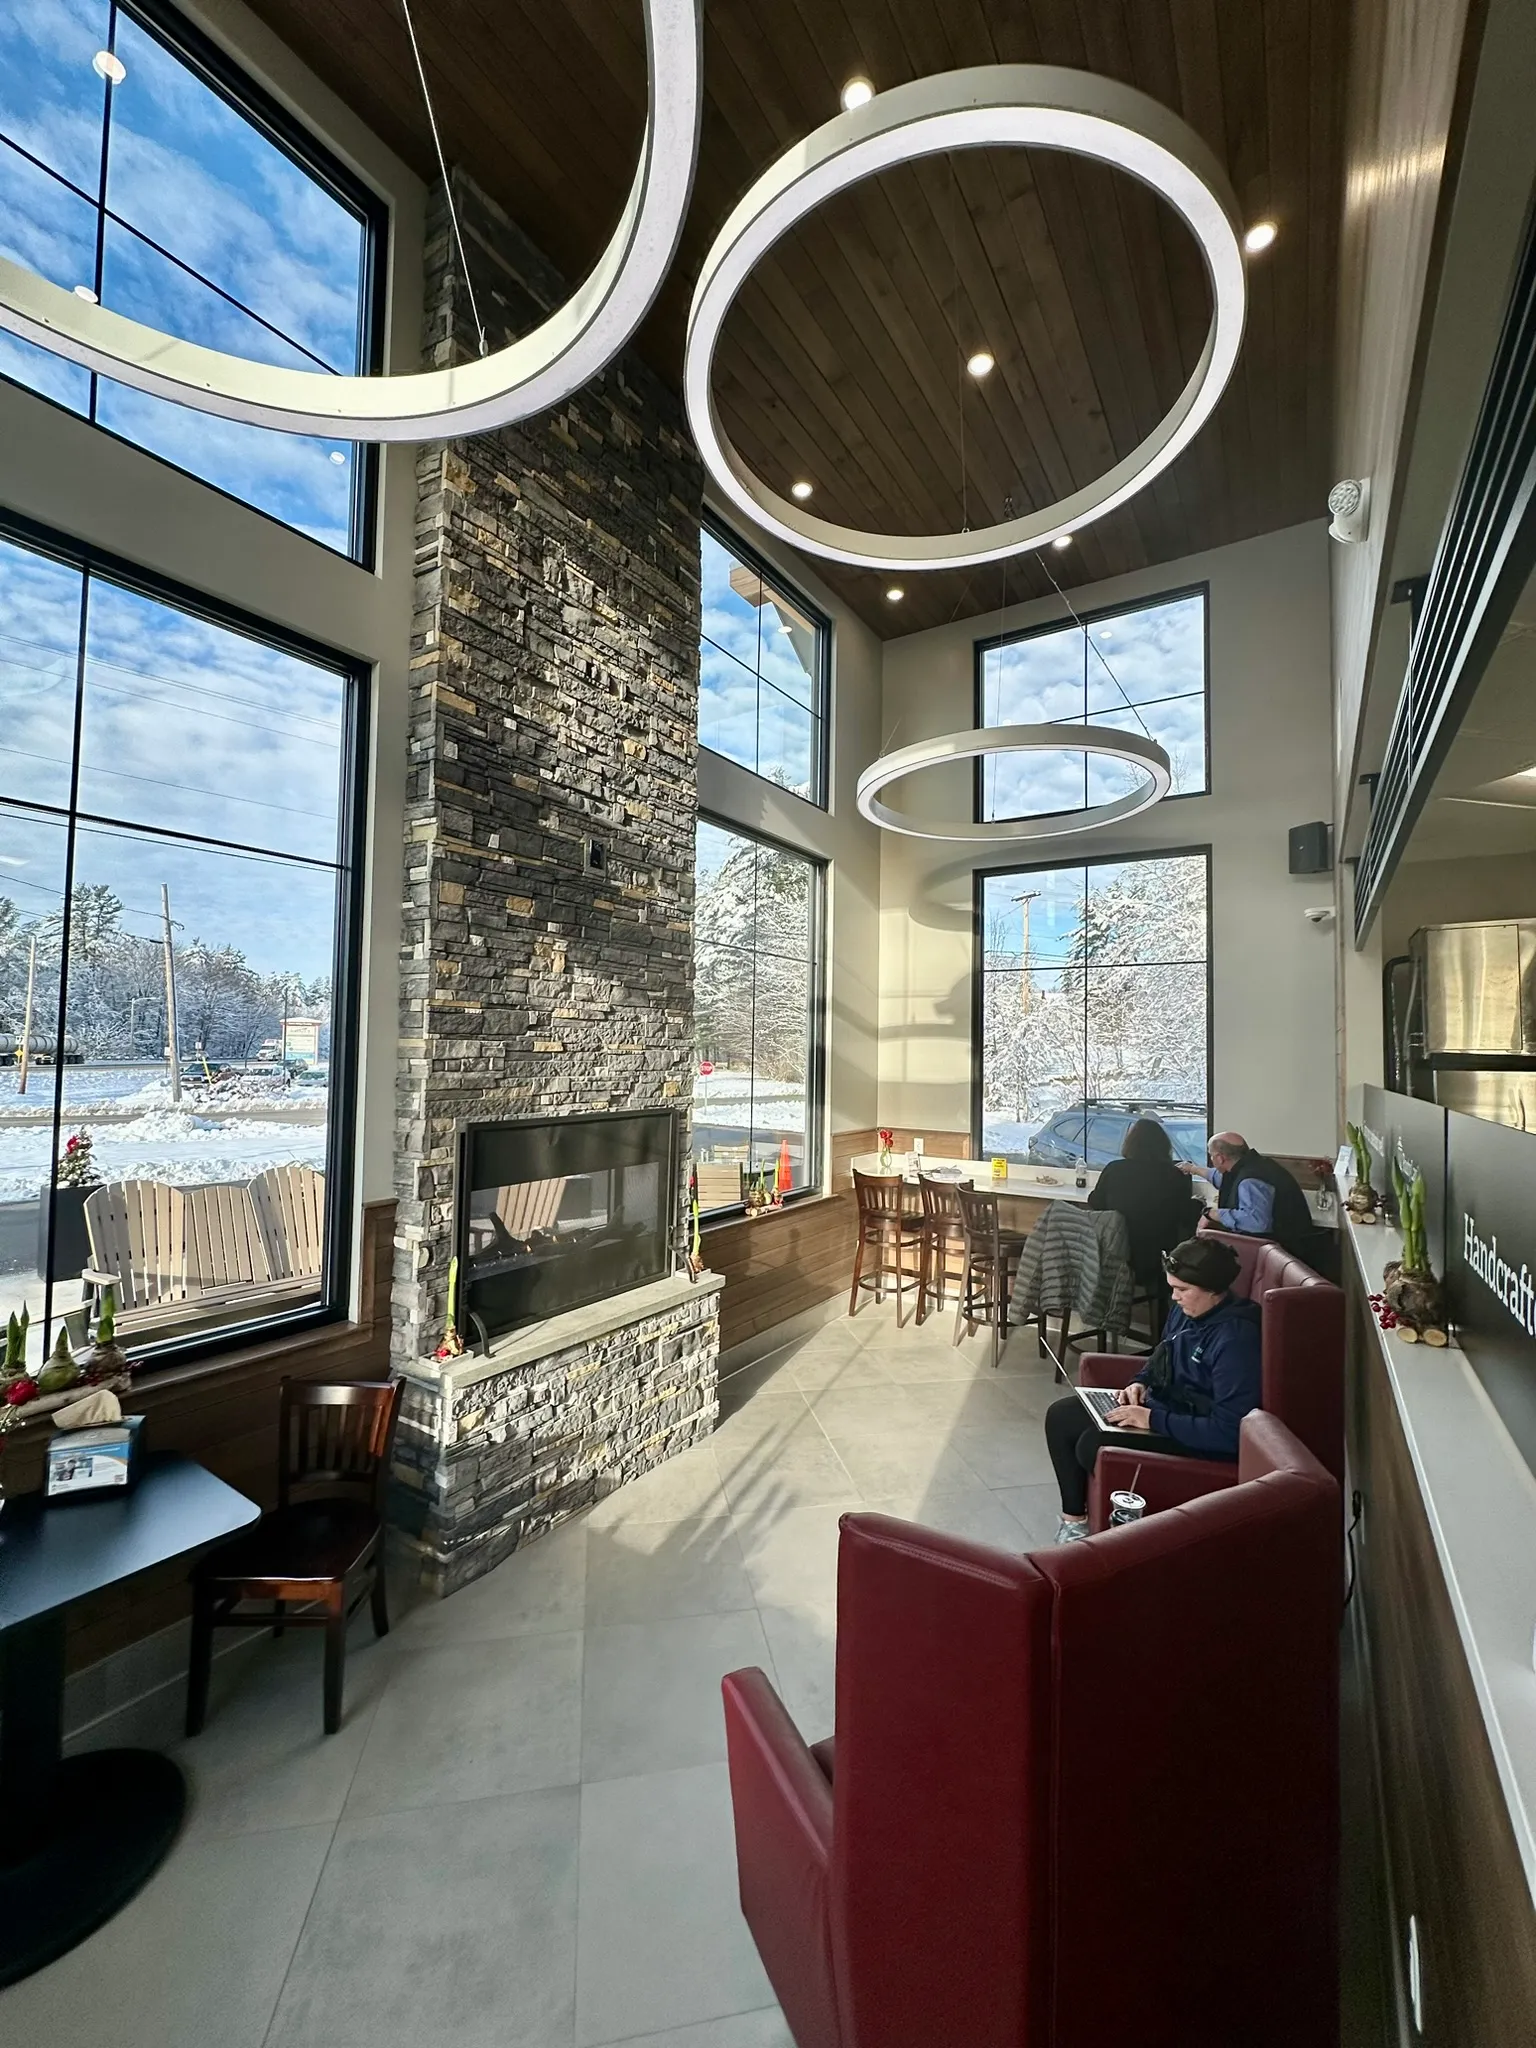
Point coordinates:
[[1140, 668], [757, 1016], [138, 169], [178, 854], [1094, 1002]]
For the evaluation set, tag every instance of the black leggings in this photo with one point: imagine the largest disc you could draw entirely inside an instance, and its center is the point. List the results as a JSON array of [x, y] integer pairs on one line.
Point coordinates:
[[1074, 1442]]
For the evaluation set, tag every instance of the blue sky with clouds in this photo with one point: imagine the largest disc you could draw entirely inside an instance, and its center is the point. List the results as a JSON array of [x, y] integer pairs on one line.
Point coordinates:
[[1152, 659], [187, 726], [755, 682], [185, 170]]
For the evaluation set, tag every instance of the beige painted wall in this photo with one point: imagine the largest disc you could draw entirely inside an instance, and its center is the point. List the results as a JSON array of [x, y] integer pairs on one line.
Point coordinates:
[[59, 470], [1270, 768], [838, 835]]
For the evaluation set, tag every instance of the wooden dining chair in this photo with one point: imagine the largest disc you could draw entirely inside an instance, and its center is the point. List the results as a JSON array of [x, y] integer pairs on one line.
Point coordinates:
[[943, 1235], [319, 1553], [991, 1256], [887, 1231]]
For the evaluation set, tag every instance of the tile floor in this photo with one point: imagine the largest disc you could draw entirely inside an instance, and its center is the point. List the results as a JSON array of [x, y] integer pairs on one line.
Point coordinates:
[[521, 1836]]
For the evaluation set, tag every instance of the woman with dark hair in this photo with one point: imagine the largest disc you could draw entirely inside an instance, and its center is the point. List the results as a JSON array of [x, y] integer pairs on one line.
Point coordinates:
[[1154, 1198]]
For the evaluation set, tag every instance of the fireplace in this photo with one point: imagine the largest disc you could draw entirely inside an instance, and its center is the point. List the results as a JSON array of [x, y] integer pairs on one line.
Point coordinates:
[[558, 1212]]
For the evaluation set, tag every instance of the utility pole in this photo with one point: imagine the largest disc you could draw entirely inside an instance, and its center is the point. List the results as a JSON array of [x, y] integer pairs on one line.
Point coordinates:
[[26, 1026], [1024, 900], [172, 1049]]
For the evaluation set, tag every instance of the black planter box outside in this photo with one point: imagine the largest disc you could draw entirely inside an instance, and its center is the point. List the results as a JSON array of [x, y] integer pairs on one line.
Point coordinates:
[[71, 1241]]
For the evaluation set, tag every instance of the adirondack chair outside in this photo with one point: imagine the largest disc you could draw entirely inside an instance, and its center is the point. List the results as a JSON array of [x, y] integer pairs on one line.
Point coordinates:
[[224, 1240], [289, 1207], [137, 1230], [162, 1248], [531, 1205]]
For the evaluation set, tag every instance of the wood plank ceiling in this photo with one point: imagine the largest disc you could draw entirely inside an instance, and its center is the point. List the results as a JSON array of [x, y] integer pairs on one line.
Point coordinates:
[[842, 359]]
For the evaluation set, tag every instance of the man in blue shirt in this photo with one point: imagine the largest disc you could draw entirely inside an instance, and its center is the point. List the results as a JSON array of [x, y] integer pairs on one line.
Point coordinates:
[[1260, 1197]]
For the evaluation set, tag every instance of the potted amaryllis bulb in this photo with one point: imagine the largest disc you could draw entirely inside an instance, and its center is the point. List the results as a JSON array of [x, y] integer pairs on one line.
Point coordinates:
[[452, 1345], [1413, 1293], [1363, 1200]]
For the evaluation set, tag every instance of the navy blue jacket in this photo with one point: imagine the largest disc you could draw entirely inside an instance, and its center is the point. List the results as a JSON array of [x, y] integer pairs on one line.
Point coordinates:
[[1218, 1355]]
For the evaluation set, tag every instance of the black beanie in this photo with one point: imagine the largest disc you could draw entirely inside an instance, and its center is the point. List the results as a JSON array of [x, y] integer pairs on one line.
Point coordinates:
[[1203, 1262]]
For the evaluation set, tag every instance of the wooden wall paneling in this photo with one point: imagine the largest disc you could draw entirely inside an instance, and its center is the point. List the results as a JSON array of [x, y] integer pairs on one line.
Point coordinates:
[[776, 1266], [1453, 1862]]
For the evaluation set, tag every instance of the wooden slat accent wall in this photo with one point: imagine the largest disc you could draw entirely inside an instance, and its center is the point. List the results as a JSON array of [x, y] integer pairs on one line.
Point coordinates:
[[1451, 1851], [224, 1413], [776, 1266]]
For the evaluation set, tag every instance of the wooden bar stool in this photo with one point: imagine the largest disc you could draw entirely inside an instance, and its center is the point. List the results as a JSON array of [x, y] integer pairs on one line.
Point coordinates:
[[313, 1560], [887, 1231], [943, 1233], [991, 1258]]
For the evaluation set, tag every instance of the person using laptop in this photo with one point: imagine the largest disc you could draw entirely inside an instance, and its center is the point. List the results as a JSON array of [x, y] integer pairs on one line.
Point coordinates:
[[1190, 1397]]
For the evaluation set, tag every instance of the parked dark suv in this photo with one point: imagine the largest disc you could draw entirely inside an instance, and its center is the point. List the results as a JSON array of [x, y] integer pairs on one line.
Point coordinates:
[[1095, 1131]]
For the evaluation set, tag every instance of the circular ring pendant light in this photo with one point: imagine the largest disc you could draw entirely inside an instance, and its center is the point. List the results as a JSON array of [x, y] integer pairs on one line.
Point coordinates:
[[1020, 105], [1130, 748], [538, 371]]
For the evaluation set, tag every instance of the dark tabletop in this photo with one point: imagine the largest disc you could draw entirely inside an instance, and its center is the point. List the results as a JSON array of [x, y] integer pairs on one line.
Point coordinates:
[[53, 1555]]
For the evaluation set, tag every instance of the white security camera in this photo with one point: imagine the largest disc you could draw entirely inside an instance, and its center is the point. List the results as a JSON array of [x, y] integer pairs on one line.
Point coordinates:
[[1350, 503], [1320, 913]]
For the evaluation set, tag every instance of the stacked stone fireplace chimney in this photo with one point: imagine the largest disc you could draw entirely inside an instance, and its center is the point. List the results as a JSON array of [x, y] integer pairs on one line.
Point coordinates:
[[547, 949]]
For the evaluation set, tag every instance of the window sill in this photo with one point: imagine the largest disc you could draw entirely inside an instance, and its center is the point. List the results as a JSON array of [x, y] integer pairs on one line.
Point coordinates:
[[796, 1205]]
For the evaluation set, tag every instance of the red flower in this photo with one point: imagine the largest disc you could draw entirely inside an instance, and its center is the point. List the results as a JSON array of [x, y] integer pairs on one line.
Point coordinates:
[[19, 1391]]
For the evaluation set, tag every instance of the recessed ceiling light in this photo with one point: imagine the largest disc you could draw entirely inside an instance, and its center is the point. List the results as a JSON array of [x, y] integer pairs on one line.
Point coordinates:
[[1259, 236], [83, 291], [337, 456], [858, 92], [107, 65], [980, 363], [801, 490], [1062, 540], [895, 594]]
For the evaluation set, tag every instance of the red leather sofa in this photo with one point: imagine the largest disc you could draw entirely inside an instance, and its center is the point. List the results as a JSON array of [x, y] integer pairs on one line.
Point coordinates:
[[1078, 1798], [1303, 1375]]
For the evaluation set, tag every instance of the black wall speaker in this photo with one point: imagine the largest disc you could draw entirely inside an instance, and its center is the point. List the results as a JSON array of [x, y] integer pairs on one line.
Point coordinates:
[[1311, 851]]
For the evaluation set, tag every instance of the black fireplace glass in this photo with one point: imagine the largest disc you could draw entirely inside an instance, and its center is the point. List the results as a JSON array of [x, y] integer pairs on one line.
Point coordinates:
[[555, 1214]]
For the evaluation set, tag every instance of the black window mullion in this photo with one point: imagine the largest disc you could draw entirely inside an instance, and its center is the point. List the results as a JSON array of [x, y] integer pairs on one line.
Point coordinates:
[[66, 909]]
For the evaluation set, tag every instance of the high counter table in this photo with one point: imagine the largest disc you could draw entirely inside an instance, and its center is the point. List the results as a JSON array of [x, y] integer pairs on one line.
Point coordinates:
[[1027, 1189], [79, 1837]]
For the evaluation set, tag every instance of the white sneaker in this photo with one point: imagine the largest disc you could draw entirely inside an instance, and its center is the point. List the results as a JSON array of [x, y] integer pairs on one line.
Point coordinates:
[[1072, 1532]]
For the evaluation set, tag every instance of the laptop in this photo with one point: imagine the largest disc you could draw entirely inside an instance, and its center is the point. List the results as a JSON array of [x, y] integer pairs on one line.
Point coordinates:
[[1098, 1401]]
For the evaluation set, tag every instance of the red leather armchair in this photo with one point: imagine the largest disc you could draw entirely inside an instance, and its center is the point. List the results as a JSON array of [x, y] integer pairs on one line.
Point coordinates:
[[986, 1860], [1303, 1375]]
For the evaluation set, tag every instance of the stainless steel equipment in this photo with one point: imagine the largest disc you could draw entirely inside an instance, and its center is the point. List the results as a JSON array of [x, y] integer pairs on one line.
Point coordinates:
[[1461, 1019]]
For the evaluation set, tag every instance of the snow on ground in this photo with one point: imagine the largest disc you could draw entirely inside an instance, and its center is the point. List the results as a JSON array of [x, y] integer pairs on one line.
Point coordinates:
[[87, 1089], [165, 1144], [197, 1141], [731, 1099]]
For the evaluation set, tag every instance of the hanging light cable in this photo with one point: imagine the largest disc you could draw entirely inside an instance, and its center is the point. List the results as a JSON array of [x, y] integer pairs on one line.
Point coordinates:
[[442, 165], [1088, 642]]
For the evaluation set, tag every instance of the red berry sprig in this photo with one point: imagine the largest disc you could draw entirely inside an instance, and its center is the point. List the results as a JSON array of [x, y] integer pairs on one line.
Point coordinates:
[[1385, 1314]]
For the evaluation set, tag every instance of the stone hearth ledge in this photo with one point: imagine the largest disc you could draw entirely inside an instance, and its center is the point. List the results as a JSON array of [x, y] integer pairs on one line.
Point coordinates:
[[494, 1451], [577, 1326]]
